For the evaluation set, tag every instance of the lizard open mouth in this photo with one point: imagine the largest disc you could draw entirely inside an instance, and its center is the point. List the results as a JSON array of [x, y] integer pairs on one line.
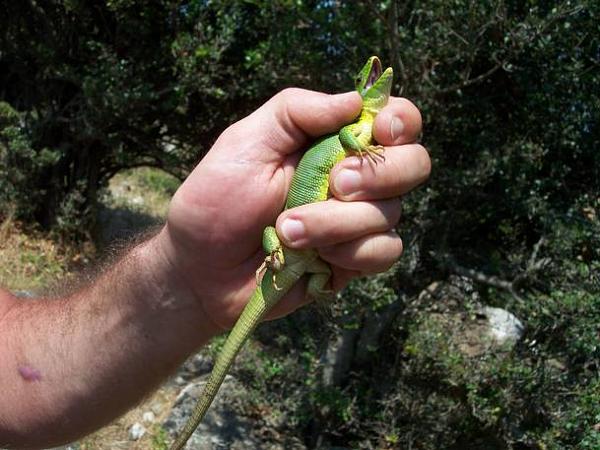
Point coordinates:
[[375, 73]]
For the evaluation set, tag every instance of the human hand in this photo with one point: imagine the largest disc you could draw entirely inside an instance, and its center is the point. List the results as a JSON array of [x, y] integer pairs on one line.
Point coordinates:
[[216, 218]]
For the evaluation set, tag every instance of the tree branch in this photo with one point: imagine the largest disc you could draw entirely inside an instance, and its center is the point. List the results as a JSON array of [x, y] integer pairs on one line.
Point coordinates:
[[490, 280], [471, 81], [534, 264], [452, 266]]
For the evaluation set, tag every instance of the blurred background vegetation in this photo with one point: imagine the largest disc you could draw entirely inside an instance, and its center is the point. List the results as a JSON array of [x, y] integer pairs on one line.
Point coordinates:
[[510, 95]]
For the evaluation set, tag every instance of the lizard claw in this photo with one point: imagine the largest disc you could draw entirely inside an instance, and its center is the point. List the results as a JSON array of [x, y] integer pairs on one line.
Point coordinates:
[[277, 288], [259, 272], [375, 153]]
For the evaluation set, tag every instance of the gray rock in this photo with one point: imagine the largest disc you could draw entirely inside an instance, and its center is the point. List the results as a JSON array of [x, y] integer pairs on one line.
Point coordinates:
[[504, 327], [137, 200], [148, 417], [136, 431], [222, 428], [196, 366], [490, 330]]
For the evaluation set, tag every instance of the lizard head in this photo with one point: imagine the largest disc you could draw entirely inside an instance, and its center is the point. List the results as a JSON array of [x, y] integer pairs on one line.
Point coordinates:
[[374, 84]]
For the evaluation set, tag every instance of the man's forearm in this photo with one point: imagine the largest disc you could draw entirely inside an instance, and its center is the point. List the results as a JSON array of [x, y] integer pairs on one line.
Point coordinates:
[[70, 365]]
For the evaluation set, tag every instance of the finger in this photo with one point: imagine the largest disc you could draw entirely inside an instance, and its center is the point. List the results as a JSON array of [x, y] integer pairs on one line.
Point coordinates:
[[341, 277], [293, 116], [328, 223], [398, 123], [368, 254], [404, 168]]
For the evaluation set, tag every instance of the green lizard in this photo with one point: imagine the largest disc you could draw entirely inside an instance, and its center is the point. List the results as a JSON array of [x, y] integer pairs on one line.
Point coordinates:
[[283, 267]]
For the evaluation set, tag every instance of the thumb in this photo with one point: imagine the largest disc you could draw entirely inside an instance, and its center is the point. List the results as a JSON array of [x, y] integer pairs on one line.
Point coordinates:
[[293, 116]]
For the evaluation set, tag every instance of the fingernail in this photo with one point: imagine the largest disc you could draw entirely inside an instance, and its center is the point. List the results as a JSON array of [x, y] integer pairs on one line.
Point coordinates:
[[293, 230], [396, 128], [347, 181]]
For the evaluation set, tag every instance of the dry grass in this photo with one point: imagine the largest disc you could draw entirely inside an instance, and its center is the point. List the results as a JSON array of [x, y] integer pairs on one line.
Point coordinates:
[[29, 259]]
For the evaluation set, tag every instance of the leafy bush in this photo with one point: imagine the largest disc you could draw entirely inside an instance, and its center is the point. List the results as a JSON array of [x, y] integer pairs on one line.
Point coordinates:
[[15, 153]]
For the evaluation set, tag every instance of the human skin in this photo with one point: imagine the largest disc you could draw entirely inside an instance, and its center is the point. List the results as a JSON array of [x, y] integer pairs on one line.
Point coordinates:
[[69, 365]]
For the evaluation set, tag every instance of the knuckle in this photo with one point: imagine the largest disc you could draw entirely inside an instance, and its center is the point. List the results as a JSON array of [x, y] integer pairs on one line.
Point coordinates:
[[389, 213], [387, 258], [233, 129], [288, 94], [398, 244], [395, 211]]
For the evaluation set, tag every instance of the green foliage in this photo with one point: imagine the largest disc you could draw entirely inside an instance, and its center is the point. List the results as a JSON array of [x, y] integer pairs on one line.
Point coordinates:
[[335, 403], [95, 90], [156, 180], [160, 439], [18, 162]]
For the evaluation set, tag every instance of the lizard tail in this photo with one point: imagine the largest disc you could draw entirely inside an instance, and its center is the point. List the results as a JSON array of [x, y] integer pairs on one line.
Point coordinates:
[[251, 316], [261, 301]]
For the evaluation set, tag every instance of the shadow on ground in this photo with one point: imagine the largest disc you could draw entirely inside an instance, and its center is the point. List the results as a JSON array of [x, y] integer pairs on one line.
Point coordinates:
[[120, 223]]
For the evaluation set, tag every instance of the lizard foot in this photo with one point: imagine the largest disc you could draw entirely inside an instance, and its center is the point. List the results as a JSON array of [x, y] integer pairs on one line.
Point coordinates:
[[374, 153]]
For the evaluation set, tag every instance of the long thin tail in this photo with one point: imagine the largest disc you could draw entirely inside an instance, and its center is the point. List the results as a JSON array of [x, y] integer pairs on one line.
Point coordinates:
[[262, 300], [250, 317]]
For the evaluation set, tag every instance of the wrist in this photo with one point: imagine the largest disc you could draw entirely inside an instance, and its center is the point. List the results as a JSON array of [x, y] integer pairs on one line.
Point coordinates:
[[175, 292]]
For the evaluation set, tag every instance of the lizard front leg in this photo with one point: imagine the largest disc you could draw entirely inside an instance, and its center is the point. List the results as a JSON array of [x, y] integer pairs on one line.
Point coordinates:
[[357, 139]]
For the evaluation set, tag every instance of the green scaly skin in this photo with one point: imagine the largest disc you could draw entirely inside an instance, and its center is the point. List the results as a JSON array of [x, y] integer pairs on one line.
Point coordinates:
[[283, 266]]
